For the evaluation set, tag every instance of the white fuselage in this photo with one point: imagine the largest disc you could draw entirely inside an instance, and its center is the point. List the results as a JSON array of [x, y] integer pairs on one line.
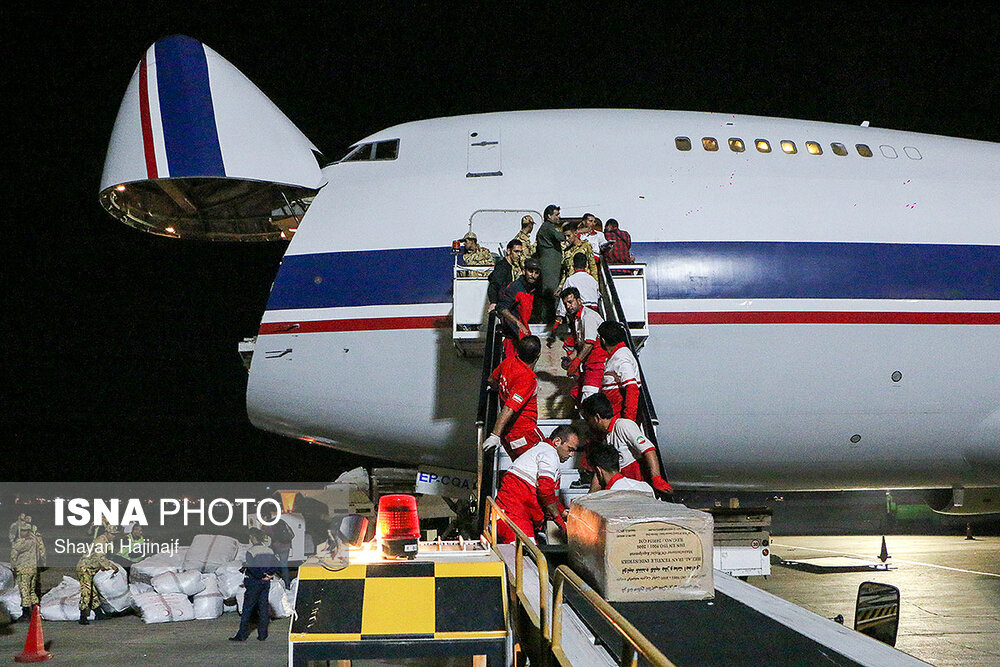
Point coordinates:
[[785, 291]]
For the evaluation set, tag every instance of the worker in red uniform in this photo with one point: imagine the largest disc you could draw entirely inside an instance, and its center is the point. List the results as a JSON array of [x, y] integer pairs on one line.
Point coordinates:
[[627, 438], [529, 490], [620, 376], [588, 357], [606, 463], [516, 302], [514, 379]]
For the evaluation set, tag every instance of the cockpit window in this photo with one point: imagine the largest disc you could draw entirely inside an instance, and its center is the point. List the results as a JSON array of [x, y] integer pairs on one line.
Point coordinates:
[[387, 150], [380, 150], [359, 154]]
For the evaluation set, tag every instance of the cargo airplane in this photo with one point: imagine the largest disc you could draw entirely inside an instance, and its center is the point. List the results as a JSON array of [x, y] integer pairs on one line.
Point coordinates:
[[824, 299]]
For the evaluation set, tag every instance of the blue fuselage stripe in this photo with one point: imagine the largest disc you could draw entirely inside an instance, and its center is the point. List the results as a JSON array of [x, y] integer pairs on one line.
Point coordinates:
[[190, 135], [674, 270]]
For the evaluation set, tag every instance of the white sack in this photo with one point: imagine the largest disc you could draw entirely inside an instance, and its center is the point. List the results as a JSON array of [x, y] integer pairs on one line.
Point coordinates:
[[6, 576], [230, 579], [62, 603], [208, 603], [188, 583], [113, 587], [277, 596], [208, 552], [156, 608], [10, 599], [144, 571], [277, 599], [293, 591], [139, 589]]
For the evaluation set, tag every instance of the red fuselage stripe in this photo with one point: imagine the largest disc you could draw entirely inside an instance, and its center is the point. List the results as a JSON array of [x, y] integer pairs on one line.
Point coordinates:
[[147, 124], [770, 317], [361, 324], [821, 317]]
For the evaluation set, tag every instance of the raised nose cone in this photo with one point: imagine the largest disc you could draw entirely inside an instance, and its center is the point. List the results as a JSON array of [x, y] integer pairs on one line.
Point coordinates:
[[198, 151]]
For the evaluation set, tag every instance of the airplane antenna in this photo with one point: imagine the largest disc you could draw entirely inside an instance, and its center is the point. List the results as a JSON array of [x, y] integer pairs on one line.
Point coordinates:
[[864, 123]]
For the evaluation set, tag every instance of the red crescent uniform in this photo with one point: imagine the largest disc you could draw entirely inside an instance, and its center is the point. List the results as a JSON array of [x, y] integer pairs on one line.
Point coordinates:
[[620, 382], [518, 391], [585, 324], [517, 299], [529, 485], [619, 482], [626, 437]]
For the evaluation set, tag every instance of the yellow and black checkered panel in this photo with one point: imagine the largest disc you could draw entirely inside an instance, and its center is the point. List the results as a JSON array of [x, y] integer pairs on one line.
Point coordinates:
[[401, 600]]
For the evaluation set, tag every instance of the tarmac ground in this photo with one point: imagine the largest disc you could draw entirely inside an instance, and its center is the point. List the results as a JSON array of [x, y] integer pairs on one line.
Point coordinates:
[[949, 612], [949, 590]]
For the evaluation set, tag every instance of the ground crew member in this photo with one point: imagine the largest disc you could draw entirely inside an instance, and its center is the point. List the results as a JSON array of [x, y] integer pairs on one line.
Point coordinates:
[[575, 246], [620, 380], [132, 548], [474, 254], [515, 304], [26, 555], [606, 463], [261, 566], [89, 565], [627, 438], [529, 490], [504, 273], [524, 236], [549, 241], [588, 359], [514, 379]]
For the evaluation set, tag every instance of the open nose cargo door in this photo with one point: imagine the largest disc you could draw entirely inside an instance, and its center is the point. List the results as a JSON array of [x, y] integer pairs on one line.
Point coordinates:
[[199, 152]]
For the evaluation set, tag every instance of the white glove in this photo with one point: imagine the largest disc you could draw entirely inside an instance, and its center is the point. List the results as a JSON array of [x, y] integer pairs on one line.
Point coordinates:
[[491, 443]]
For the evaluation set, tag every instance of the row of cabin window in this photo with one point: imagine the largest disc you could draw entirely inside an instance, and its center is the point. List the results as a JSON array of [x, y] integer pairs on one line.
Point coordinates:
[[736, 145]]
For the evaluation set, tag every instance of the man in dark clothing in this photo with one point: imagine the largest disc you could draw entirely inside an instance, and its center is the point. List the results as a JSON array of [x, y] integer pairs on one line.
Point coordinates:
[[261, 566], [620, 250], [503, 272], [549, 243], [281, 536], [515, 304]]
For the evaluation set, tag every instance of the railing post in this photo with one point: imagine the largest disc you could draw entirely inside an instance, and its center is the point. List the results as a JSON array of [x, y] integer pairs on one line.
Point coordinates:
[[486, 416]]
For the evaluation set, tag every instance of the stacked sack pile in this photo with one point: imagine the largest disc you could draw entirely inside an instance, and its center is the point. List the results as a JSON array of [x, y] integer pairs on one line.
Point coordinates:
[[10, 598], [198, 582]]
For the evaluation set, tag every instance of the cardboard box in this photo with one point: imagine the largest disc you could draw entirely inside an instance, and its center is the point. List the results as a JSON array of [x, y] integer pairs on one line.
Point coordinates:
[[634, 548]]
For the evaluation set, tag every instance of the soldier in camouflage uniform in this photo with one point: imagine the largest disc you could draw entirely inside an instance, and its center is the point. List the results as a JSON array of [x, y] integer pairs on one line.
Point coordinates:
[[26, 555], [474, 254], [89, 565], [574, 246], [524, 236]]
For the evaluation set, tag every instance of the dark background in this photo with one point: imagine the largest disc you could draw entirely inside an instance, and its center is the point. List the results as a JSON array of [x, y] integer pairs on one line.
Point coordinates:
[[122, 346]]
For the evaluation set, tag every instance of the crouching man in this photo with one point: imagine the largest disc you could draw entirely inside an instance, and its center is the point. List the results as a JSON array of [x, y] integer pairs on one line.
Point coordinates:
[[529, 490]]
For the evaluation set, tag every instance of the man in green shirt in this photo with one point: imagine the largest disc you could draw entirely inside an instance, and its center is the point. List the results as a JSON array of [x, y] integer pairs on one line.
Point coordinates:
[[549, 243]]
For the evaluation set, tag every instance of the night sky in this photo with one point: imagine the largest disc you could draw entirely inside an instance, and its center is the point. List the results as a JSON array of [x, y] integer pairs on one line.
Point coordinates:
[[122, 345]]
